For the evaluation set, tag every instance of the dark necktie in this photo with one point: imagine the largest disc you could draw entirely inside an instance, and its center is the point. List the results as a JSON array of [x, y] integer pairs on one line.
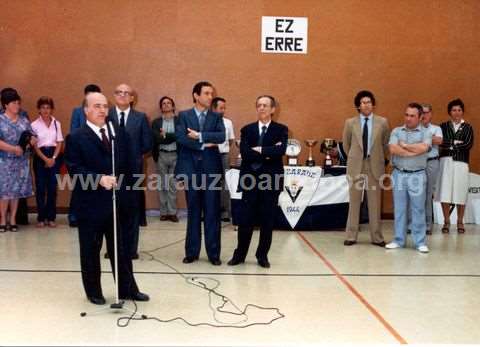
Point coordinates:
[[365, 138], [258, 164], [201, 120], [122, 119], [262, 135], [105, 141]]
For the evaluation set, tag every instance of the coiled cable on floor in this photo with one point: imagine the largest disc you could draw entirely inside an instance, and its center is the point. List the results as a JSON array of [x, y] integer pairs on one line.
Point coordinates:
[[212, 290]]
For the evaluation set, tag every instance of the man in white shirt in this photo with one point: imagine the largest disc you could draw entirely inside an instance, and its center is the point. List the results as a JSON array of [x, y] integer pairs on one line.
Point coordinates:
[[219, 105]]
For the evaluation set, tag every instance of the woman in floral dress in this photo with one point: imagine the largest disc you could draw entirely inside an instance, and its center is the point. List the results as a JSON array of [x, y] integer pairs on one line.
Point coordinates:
[[15, 178]]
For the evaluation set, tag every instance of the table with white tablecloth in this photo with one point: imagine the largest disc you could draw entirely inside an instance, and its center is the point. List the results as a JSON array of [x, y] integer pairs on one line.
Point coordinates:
[[309, 201]]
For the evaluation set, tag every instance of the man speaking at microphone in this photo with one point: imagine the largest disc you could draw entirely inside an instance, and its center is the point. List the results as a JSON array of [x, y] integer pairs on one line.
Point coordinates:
[[88, 157]]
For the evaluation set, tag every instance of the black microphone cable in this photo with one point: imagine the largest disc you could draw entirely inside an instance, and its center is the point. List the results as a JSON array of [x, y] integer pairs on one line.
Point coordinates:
[[212, 290]]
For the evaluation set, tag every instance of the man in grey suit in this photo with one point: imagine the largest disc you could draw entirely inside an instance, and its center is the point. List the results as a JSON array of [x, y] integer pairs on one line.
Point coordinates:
[[365, 141], [199, 166], [140, 141]]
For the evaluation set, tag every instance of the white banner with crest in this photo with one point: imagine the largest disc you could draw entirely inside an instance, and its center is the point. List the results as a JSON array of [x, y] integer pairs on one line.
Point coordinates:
[[300, 185]]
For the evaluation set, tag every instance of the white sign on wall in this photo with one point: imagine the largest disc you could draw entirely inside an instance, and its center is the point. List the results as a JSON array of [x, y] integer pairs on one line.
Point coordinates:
[[284, 35]]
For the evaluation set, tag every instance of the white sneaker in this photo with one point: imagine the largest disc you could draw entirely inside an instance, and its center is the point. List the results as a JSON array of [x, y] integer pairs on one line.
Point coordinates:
[[392, 245], [423, 249]]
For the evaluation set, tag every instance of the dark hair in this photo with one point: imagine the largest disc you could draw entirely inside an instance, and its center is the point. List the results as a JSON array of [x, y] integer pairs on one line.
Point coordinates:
[[363, 94], [216, 100], [8, 95], [455, 102], [45, 100], [92, 88], [417, 106], [197, 88], [273, 103], [166, 98]]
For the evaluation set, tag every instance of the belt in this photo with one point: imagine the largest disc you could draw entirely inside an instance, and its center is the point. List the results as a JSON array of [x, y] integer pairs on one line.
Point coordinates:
[[408, 171], [433, 158], [165, 151]]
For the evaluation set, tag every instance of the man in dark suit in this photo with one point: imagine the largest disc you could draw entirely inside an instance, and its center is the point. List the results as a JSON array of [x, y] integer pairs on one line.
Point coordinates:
[[199, 166], [77, 121], [135, 125], [262, 146], [88, 157]]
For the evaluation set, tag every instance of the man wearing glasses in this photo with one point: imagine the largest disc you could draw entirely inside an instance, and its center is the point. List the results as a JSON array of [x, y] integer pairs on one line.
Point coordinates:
[[433, 165], [135, 125]]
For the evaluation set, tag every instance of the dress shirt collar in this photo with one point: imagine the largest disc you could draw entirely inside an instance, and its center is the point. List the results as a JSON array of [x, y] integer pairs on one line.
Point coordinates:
[[261, 125], [96, 129], [127, 112]]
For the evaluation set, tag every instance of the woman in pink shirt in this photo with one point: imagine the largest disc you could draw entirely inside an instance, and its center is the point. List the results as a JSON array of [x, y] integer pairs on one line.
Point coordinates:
[[46, 162]]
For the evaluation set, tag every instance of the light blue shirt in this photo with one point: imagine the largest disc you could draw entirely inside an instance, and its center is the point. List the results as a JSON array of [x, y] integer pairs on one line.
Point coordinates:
[[369, 126], [434, 130], [410, 136], [198, 113]]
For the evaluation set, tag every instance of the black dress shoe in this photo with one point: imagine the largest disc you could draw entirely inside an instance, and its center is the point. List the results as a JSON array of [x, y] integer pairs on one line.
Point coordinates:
[[188, 260], [379, 244], [106, 256], [263, 263], [97, 300], [136, 297], [235, 261], [72, 224], [226, 219], [135, 256], [216, 262], [349, 243]]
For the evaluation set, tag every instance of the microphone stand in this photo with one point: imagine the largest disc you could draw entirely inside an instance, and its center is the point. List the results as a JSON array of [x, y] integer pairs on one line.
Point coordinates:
[[118, 305]]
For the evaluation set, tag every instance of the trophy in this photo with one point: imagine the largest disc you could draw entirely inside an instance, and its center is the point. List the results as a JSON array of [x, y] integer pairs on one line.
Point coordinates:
[[293, 150], [238, 162], [310, 144], [326, 146]]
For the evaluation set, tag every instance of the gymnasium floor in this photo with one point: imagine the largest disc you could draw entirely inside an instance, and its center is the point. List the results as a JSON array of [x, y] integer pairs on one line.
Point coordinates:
[[324, 292]]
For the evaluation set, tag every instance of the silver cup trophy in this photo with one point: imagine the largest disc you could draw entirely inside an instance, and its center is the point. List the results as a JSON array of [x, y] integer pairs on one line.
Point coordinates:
[[310, 144], [326, 146]]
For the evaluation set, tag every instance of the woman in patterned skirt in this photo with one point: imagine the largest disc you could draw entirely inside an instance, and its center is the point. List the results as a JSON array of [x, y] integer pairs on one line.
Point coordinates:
[[15, 181], [452, 184]]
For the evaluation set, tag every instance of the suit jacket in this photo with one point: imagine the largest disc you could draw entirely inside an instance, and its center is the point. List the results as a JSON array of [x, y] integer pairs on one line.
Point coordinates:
[[139, 135], [353, 145], [192, 159], [274, 146], [78, 118], [160, 140], [85, 155]]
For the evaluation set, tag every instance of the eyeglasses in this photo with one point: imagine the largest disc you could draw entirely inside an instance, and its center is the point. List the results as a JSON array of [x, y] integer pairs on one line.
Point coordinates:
[[122, 93]]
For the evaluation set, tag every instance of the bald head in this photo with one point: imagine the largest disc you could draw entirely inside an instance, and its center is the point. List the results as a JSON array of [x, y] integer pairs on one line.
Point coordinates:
[[96, 108], [123, 96]]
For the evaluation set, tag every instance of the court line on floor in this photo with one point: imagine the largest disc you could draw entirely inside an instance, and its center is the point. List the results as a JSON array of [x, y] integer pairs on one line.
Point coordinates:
[[355, 292], [254, 274]]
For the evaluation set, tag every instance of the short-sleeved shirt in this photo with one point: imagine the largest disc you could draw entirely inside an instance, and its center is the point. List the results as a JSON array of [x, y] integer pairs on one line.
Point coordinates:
[[410, 136], [435, 130], [47, 136], [229, 135]]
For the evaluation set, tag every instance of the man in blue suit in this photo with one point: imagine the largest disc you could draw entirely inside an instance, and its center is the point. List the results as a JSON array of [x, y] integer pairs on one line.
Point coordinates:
[[77, 121], [135, 125], [78, 114], [89, 157], [199, 166]]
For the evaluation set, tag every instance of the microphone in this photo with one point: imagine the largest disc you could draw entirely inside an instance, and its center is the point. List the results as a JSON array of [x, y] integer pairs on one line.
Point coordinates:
[[112, 130]]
